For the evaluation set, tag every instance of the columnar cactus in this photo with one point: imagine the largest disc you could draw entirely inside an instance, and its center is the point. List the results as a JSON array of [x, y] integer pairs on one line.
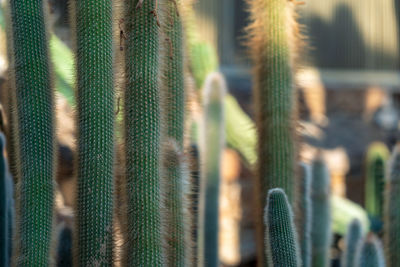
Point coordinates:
[[270, 42], [95, 104], [354, 236], [212, 144], [321, 214], [370, 253], [377, 156], [174, 179], [35, 131], [303, 213], [280, 233], [173, 86], [391, 210], [6, 207], [192, 196], [142, 134]]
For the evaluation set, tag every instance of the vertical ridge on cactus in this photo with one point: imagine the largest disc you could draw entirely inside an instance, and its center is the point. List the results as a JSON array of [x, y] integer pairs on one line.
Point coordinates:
[[142, 135], [280, 233], [303, 213], [353, 236], [271, 40], [212, 142], [391, 224], [321, 214], [95, 104], [35, 131], [369, 253]]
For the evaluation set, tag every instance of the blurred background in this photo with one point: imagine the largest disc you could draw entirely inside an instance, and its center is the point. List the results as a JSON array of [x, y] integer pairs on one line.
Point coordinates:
[[349, 100]]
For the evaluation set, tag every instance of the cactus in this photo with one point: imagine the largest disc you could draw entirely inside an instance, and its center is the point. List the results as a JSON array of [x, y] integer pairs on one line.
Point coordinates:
[[369, 253], [35, 131], [142, 135], [391, 237], [280, 234], [95, 105], [173, 72], [64, 248], [174, 179], [353, 236], [211, 150], [321, 214], [6, 207], [270, 42], [304, 213], [377, 156]]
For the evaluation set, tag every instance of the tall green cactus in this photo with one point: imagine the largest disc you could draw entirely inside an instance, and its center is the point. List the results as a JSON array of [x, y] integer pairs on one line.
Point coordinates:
[[280, 234], [173, 73], [391, 210], [211, 150], [95, 104], [370, 253], [377, 156], [6, 207], [321, 214], [274, 98], [174, 179], [353, 236], [35, 131], [142, 135], [303, 214]]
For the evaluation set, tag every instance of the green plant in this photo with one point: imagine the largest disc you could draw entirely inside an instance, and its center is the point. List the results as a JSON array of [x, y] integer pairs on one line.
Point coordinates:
[[377, 156], [211, 147], [280, 234], [391, 210], [304, 213], [270, 42], [95, 108], [30, 67], [174, 179], [369, 253], [321, 214], [142, 135], [353, 236]]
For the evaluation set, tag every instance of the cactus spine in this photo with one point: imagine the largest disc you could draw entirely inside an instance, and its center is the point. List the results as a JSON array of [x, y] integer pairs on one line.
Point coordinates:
[[374, 186], [353, 237], [321, 214], [211, 150], [280, 234], [174, 179], [95, 103], [142, 135], [369, 253], [274, 98], [35, 136], [391, 211], [304, 213]]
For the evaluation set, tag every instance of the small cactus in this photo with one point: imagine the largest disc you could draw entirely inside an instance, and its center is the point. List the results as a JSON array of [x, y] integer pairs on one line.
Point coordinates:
[[280, 234], [212, 144], [303, 213], [353, 236], [35, 137], [321, 214], [391, 237], [369, 253], [95, 106]]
